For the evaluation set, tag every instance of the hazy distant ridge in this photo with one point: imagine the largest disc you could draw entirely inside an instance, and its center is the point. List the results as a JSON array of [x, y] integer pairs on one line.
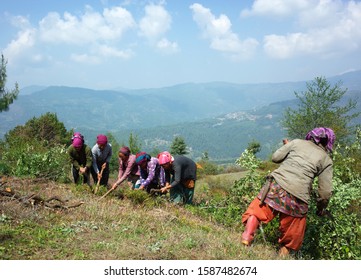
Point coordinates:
[[220, 118]]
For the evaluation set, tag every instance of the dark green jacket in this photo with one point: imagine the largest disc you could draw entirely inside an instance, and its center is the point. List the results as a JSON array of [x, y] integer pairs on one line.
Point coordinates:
[[80, 158]]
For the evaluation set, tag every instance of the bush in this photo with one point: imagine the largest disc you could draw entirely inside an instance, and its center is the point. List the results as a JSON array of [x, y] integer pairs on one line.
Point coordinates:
[[205, 167], [337, 236], [4, 168], [30, 161], [37, 149], [228, 210]]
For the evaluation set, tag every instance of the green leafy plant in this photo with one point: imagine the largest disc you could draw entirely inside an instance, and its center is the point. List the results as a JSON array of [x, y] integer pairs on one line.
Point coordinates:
[[31, 162], [228, 209], [337, 235]]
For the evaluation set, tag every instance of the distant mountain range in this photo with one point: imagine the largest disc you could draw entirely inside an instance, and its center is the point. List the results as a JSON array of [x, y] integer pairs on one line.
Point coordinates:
[[218, 118]]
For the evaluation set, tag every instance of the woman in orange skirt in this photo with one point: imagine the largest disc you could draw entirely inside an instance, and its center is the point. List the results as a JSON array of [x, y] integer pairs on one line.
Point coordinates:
[[287, 191]]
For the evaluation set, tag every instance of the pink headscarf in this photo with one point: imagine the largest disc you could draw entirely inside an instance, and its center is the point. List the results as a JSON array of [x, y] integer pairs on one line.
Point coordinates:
[[102, 139], [77, 140], [77, 143]]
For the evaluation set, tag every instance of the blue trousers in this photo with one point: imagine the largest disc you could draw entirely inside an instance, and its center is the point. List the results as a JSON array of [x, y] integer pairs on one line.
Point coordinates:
[[181, 194]]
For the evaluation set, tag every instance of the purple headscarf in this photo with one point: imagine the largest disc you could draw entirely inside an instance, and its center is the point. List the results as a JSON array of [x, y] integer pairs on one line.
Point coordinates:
[[320, 134]]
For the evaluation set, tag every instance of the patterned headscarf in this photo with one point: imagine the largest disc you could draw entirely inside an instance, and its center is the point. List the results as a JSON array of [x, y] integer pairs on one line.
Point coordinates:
[[324, 135], [141, 157]]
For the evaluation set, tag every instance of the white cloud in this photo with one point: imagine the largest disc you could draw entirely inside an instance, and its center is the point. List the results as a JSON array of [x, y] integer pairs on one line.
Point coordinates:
[[165, 46], [107, 51], [95, 32], [85, 58], [154, 25], [219, 32], [99, 53], [119, 20], [341, 34], [276, 8], [96, 35], [88, 28], [25, 40], [320, 14], [20, 22]]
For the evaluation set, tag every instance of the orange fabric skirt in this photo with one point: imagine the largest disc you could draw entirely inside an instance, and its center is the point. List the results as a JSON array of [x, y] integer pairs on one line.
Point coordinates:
[[292, 229]]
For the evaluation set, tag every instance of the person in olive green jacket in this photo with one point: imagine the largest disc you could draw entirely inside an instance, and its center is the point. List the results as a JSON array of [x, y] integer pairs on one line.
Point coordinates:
[[287, 191], [80, 156]]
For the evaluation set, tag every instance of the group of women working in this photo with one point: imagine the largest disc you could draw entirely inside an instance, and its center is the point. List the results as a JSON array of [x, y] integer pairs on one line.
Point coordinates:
[[286, 193], [166, 173]]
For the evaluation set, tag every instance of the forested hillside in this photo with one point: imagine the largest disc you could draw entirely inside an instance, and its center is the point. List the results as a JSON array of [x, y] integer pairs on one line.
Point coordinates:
[[217, 118], [224, 137], [112, 110]]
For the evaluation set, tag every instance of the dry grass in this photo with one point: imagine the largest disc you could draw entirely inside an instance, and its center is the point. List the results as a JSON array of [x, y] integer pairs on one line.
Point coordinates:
[[113, 229]]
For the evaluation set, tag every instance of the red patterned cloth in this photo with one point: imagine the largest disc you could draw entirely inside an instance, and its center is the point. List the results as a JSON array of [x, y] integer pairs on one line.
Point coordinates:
[[284, 202]]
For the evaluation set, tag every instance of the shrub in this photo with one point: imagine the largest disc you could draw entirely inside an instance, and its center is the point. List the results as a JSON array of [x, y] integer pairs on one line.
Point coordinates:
[[228, 210], [337, 236], [37, 149], [30, 161], [205, 167]]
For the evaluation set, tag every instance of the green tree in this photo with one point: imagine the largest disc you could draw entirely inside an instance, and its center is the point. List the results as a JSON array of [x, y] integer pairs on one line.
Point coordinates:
[[134, 144], [320, 106], [178, 146], [114, 162], [205, 166], [254, 147], [47, 130], [205, 156], [6, 97], [155, 151]]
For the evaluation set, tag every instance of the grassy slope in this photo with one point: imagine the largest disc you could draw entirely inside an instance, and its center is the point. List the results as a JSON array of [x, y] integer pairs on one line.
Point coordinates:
[[113, 228]]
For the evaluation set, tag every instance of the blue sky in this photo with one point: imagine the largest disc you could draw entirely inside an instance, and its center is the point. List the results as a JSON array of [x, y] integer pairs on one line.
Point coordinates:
[[105, 44]]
